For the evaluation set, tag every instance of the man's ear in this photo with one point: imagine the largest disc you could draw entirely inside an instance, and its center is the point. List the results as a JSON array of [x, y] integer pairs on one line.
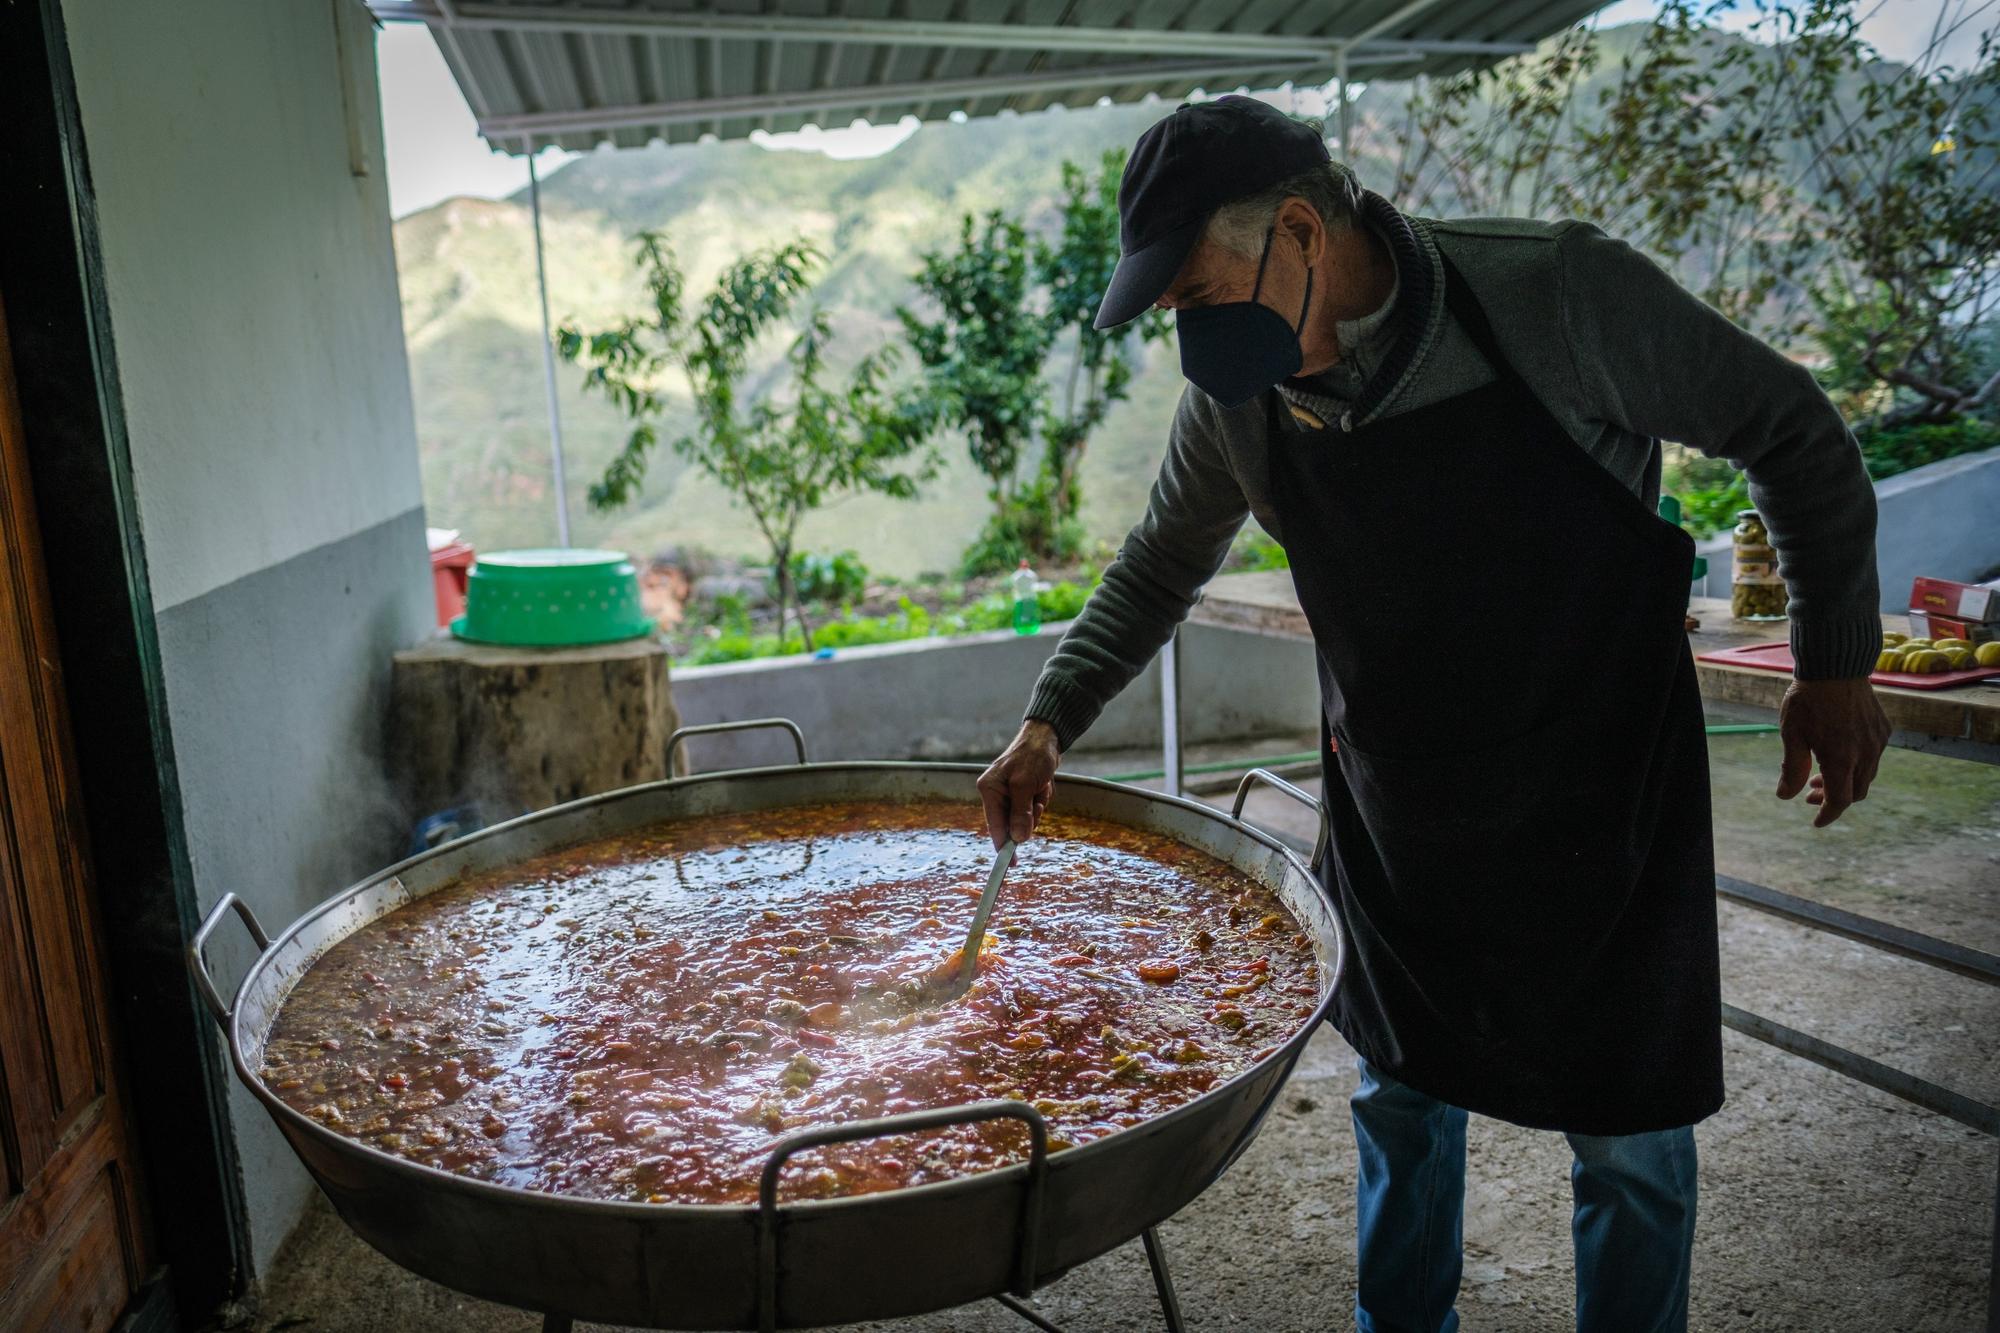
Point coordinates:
[[1301, 221]]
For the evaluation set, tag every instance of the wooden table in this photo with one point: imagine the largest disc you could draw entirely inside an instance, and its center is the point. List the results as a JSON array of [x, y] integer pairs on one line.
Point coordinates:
[[1963, 723]]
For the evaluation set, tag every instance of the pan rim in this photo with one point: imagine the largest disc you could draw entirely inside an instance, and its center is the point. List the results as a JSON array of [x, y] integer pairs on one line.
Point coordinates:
[[1283, 1056]]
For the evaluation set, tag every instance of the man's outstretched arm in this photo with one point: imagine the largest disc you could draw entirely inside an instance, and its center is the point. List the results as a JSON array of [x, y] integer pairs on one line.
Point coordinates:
[[1193, 515], [1653, 358]]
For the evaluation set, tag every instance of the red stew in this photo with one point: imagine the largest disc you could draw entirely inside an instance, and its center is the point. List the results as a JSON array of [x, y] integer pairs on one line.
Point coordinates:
[[638, 1018]]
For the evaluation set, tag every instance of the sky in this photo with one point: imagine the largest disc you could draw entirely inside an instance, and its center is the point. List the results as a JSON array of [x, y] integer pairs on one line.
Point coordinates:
[[434, 150]]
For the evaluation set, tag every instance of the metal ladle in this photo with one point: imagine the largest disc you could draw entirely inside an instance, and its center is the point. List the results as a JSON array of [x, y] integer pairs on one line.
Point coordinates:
[[968, 963]]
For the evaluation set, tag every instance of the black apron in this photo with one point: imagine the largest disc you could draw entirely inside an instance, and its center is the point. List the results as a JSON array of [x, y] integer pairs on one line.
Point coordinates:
[[1519, 794]]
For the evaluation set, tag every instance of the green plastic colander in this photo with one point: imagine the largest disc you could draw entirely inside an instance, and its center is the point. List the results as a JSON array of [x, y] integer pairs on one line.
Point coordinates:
[[552, 598]]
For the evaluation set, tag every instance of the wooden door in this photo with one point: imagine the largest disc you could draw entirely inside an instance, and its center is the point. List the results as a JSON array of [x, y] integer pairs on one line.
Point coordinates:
[[72, 1248]]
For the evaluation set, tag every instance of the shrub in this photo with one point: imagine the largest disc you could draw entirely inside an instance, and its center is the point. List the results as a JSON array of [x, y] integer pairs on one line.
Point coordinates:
[[1893, 449], [1707, 510], [909, 622], [1711, 491], [1026, 527], [840, 577], [1257, 550]]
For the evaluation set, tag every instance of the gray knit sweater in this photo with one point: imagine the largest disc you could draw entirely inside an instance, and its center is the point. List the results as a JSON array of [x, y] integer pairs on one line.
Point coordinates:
[[1619, 353]]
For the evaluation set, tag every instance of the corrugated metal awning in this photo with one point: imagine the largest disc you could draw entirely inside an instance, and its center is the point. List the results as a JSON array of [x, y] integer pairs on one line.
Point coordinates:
[[577, 75]]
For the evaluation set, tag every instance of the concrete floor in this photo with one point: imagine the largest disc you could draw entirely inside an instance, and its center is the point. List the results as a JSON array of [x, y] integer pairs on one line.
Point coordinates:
[[1825, 1205]]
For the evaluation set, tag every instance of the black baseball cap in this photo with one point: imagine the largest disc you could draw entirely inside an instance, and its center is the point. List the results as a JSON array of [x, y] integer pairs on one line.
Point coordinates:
[[1184, 168]]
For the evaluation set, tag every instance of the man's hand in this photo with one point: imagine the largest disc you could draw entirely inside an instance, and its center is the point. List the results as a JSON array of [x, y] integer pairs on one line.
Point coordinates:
[[1839, 723], [1016, 787]]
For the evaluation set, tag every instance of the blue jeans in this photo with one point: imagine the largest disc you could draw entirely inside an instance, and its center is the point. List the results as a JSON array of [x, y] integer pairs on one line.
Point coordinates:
[[1633, 1225]]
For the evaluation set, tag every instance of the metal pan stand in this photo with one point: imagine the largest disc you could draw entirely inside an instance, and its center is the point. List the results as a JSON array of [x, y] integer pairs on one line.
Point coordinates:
[[1027, 1235]]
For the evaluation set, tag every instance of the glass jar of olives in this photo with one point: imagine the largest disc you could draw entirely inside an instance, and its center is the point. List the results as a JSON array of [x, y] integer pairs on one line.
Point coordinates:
[[1755, 590]]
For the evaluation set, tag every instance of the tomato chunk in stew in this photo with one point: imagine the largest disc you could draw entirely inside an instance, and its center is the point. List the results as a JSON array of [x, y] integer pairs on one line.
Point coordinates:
[[638, 1018]]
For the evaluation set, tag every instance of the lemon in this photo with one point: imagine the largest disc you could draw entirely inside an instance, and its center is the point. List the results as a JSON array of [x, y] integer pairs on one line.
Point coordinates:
[[1960, 659], [1987, 654], [1924, 662], [1889, 660]]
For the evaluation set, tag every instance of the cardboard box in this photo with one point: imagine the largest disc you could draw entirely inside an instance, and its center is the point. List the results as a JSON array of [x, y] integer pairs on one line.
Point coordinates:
[[1973, 602], [1930, 625]]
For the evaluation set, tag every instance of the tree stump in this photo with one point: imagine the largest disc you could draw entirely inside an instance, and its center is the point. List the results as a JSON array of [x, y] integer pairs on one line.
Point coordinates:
[[506, 731]]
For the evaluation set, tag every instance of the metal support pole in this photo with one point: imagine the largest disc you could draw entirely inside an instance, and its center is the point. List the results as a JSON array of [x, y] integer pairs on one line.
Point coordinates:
[[548, 358], [1028, 1312], [1974, 963], [1343, 119], [1163, 1281], [1993, 1269], [1170, 713], [1957, 1106]]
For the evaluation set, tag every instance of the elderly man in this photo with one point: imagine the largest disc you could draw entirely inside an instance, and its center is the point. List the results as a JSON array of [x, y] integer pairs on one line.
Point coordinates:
[[1453, 428]]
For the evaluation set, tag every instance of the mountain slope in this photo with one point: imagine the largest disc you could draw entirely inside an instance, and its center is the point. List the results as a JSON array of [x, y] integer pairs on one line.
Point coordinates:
[[467, 272]]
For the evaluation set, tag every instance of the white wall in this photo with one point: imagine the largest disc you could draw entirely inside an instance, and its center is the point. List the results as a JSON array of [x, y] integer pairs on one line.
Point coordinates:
[[1942, 520], [254, 314], [221, 135], [857, 705]]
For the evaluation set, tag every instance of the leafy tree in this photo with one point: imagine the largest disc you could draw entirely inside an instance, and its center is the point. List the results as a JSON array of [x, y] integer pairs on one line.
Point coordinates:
[[983, 352], [1002, 306], [1496, 140], [1686, 160], [780, 454], [1899, 177], [1075, 272], [1796, 181], [1670, 151]]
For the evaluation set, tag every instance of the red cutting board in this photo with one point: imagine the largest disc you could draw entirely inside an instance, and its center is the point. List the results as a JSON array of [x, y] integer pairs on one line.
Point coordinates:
[[1778, 657]]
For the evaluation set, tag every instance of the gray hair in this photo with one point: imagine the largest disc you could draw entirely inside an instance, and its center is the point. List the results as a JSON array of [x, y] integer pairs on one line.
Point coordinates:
[[1331, 190]]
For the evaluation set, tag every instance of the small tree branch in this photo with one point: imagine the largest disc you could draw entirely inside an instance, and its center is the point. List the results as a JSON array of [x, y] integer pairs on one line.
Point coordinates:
[[1931, 389], [1979, 397]]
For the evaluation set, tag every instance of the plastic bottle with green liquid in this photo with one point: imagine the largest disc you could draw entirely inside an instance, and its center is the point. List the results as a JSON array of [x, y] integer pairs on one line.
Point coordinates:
[[1027, 607]]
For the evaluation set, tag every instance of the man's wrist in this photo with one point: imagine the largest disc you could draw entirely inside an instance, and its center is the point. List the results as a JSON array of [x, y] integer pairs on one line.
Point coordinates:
[[1040, 731], [1063, 707], [1842, 648]]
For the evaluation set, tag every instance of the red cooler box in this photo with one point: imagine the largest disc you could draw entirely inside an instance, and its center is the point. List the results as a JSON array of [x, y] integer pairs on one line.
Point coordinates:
[[451, 564]]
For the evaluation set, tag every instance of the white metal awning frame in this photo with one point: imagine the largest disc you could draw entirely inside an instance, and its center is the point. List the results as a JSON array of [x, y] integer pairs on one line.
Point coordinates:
[[1138, 58]]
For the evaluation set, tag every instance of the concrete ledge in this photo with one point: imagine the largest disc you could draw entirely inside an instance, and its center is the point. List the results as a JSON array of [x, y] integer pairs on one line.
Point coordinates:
[[961, 698]]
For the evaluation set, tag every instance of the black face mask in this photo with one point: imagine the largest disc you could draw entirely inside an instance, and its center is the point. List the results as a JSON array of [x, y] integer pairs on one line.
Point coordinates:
[[1236, 350]]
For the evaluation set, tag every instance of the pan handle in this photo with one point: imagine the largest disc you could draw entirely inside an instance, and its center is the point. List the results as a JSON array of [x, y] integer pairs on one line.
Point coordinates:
[[819, 1136], [747, 724], [1264, 775], [199, 965]]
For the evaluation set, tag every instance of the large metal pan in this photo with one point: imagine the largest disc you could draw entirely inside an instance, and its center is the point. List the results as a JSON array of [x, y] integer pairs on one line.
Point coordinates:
[[772, 1265]]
